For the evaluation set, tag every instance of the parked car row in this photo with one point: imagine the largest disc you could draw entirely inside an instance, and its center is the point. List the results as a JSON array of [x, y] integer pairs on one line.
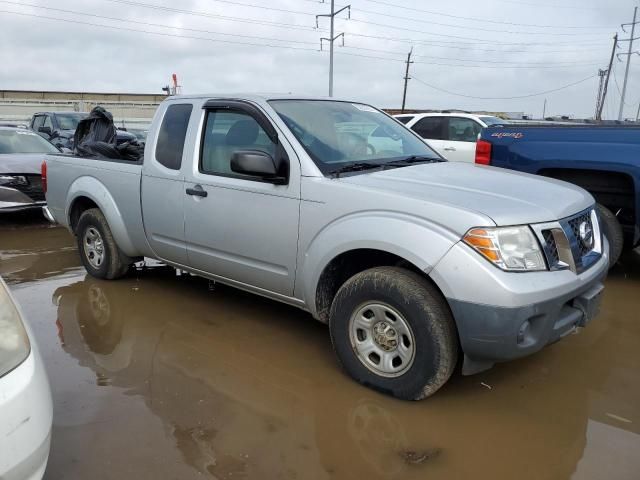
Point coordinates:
[[59, 128]]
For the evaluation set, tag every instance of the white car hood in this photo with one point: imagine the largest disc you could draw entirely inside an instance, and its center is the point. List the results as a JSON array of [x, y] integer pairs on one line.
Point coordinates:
[[506, 196]]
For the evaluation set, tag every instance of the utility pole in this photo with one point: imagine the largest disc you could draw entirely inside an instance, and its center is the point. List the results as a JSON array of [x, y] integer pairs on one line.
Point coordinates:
[[606, 82], [638, 112], [406, 79], [628, 54], [544, 109], [601, 74], [332, 38]]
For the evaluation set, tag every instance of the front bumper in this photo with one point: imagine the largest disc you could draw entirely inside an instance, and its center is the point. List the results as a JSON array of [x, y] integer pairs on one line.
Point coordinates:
[[26, 415], [491, 307]]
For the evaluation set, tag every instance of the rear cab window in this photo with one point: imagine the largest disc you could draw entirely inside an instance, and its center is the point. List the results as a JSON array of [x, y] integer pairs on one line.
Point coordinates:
[[172, 134]]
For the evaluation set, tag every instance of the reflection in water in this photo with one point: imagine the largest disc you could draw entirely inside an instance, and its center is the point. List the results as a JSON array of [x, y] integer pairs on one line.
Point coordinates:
[[247, 388]]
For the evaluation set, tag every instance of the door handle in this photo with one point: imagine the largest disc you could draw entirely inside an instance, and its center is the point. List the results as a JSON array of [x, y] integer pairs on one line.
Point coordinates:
[[450, 149], [198, 191]]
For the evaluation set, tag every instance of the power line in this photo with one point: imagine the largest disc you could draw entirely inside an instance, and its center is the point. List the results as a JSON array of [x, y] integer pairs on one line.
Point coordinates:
[[73, 12], [164, 34], [213, 15], [288, 47], [466, 27], [504, 98], [471, 46], [395, 27], [499, 62], [303, 27], [478, 19]]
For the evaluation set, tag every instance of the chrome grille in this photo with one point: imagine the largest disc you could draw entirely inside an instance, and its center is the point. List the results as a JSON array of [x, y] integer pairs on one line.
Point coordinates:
[[566, 247], [551, 249], [575, 224]]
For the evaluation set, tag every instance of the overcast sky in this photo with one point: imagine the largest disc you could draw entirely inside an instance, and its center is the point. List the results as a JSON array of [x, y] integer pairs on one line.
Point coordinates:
[[495, 51]]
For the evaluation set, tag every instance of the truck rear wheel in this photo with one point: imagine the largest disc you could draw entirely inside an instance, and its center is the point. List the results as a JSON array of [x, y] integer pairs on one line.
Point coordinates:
[[393, 331], [613, 231], [98, 250]]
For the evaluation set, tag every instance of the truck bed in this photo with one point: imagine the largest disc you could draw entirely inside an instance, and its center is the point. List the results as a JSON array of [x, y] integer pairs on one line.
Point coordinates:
[[114, 183]]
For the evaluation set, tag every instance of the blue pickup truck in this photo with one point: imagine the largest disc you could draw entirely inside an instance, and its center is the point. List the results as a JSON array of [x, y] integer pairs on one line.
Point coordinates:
[[604, 160]]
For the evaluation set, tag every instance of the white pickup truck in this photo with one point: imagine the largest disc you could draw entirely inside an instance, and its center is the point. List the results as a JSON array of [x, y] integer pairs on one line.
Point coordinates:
[[336, 208]]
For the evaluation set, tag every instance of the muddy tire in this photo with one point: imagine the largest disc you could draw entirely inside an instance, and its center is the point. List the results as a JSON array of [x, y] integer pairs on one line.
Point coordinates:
[[613, 231], [98, 250], [393, 331]]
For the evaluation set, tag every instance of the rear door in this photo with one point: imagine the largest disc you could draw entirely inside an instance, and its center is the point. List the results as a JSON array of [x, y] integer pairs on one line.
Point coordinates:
[[460, 139], [432, 130], [162, 188], [237, 226]]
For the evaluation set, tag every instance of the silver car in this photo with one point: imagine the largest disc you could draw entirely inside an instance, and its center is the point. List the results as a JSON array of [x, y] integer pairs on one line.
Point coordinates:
[[21, 154]]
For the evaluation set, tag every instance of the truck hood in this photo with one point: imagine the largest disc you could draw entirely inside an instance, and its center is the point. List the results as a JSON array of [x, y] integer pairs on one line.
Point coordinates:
[[21, 162], [505, 196]]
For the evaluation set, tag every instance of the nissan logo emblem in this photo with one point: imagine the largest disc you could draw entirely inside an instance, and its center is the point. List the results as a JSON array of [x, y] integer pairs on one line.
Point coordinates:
[[586, 234]]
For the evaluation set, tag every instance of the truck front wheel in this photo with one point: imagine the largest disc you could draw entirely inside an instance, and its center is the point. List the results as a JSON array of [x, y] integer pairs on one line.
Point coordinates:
[[613, 231], [98, 250], [393, 331]]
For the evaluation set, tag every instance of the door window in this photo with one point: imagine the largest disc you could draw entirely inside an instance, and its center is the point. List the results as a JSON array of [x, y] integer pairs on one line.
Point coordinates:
[[227, 132], [431, 128], [171, 136], [463, 130]]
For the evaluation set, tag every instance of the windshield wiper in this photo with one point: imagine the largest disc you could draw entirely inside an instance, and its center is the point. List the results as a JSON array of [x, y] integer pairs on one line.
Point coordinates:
[[354, 167], [410, 160]]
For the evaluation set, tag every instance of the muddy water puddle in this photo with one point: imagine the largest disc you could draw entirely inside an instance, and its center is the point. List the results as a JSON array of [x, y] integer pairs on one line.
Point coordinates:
[[162, 376]]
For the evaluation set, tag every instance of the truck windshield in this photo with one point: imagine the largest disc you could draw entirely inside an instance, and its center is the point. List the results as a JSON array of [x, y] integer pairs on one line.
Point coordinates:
[[23, 141], [337, 135], [69, 121]]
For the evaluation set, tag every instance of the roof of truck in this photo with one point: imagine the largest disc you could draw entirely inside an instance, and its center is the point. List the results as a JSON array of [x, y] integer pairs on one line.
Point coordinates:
[[259, 97]]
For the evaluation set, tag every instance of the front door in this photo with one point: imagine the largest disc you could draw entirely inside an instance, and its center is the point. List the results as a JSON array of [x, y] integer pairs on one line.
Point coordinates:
[[240, 227]]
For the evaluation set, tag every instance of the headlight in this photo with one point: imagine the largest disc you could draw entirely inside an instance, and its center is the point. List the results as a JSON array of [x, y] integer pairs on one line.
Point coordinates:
[[509, 248], [14, 343], [10, 180]]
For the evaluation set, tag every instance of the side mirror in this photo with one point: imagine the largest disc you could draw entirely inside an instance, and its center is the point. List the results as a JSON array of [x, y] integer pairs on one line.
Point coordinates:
[[257, 164], [45, 130]]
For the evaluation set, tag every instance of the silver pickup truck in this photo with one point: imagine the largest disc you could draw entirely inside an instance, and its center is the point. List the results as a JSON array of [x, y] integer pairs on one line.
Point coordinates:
[[336, 208]]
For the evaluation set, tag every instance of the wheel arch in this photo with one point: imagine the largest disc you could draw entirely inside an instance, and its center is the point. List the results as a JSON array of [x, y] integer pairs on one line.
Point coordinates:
[[339, 252], [88, 192]]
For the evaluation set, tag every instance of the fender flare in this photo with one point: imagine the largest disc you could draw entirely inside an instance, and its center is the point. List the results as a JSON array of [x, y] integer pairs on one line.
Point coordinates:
[[416, 240], [93, 189]]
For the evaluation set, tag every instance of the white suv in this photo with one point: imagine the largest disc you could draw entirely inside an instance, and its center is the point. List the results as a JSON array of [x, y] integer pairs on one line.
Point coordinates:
[[452, 135]]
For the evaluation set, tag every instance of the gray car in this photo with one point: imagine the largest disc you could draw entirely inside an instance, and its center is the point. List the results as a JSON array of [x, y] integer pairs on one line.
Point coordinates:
[[335, 208], [21, 154]]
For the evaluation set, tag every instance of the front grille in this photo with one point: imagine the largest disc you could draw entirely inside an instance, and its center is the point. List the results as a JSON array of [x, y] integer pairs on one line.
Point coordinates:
[[32, 189], [584, 245], [572, 243], [551, 248]]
